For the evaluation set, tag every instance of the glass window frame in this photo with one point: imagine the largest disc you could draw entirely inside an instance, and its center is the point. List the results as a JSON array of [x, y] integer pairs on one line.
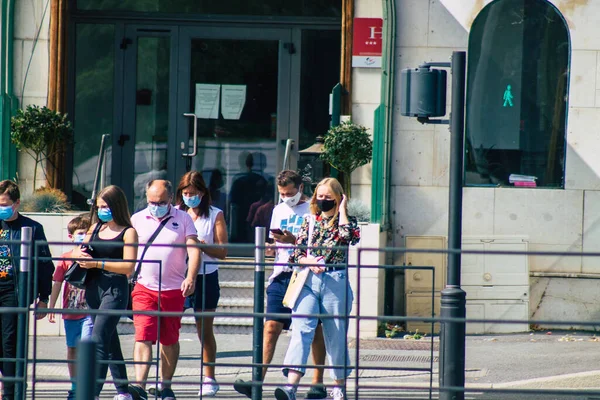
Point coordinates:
[[476, 35]]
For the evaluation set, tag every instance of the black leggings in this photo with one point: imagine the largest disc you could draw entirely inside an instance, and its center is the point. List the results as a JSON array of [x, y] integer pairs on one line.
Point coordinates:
[[108, 293], [8, 347]]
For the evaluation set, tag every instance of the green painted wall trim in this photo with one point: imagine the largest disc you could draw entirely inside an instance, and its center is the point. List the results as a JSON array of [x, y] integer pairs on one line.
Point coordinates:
[[383, 121], [377, 166], [8, 102]]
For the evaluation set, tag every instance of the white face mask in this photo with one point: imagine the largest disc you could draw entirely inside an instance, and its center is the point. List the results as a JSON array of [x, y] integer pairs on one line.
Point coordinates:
[[291, 201]]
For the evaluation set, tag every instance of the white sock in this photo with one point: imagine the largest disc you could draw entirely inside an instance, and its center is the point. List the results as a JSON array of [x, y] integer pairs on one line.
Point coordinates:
[[292, 388]]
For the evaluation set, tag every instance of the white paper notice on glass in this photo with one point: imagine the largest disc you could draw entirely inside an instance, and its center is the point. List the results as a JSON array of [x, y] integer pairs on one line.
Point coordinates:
[[234, 99], [207, 100]]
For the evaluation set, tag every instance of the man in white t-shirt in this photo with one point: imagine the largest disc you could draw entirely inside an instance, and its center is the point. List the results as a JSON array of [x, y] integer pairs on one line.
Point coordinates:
[[286, 221]]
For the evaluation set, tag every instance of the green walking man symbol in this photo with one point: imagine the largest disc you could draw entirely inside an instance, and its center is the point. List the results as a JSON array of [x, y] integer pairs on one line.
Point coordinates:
[[508, 97]]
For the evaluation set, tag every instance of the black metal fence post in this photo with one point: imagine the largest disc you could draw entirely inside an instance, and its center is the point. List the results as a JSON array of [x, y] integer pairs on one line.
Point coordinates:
[[86, 370], [259, 308], [22, 319], [453, 298]]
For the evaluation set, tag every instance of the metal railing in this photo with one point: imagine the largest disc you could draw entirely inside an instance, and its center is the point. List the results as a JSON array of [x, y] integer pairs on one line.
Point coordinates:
[[379, 369]]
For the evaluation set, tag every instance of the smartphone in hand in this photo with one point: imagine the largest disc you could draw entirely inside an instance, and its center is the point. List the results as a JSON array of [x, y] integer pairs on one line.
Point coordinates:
[[277, 231]]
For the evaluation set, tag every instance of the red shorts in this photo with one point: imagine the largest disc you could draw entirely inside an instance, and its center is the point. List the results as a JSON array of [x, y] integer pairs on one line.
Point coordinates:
[[147, 326]]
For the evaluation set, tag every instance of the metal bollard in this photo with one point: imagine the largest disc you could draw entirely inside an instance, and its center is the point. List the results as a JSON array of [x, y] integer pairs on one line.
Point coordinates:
[[86, 370], [22, 319], [259, 308]]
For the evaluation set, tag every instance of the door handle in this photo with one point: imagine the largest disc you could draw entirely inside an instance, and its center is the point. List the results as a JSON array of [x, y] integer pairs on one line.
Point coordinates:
[[289, 144], [123, 139], [195, 141]]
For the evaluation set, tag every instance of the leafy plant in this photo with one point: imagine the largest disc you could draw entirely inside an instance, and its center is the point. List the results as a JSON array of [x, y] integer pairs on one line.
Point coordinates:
[[392, 330], [346, 147], [46, 199], [415, 336], [40, 132]]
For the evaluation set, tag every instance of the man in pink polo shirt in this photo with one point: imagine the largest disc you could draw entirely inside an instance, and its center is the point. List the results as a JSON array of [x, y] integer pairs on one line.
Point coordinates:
[[172, 280]]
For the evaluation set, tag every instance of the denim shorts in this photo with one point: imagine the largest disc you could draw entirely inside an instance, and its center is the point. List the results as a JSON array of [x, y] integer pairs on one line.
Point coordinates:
[[78, 329], [275, 294], [207, 293]]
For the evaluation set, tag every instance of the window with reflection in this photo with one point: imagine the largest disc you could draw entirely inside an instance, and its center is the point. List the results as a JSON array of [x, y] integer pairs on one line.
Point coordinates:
[[93, 106], [518, 63], [307, 8]]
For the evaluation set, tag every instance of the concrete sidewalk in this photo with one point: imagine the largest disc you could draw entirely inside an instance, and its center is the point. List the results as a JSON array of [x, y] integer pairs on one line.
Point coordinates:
[[528, 361]]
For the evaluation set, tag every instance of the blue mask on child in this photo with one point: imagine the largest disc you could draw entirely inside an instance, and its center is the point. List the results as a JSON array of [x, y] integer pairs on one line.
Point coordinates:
[[6, 212], [78, 238], [158, 211], [192, 201], [105, 214]]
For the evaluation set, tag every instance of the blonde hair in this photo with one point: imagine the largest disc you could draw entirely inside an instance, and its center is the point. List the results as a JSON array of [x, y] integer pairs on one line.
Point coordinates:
[[338, 192]]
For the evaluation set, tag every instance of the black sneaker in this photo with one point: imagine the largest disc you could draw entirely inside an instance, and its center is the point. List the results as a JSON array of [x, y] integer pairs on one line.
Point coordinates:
[[154, 390], [316, 392], [167, 394], [285, 393], [137, 392], [243, 388]]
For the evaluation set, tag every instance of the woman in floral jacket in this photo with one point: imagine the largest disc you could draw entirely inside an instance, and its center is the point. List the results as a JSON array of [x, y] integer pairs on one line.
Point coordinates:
[[326, 291]]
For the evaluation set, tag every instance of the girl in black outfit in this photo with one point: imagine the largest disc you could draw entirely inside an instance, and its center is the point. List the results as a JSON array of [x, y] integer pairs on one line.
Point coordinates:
[[110, 259]]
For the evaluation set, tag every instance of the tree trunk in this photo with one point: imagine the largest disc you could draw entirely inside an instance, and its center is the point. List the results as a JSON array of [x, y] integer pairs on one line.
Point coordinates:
[[37, 162], [347, 184]]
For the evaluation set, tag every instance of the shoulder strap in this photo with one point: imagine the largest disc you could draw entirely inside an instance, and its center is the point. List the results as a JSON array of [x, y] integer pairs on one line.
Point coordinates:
[[148, 243], [311, 230], [96, 230]]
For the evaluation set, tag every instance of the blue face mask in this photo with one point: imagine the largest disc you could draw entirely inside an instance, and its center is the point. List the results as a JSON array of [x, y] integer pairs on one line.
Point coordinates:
[[158, 211], [193, 201], [105, 214], [6, 212], [79, 238]]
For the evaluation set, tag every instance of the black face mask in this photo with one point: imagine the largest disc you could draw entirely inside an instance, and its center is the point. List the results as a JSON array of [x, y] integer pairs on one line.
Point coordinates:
[[325, 205]]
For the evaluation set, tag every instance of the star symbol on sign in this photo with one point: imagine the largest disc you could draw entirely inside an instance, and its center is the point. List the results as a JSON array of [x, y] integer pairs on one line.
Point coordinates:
[[3, 274]]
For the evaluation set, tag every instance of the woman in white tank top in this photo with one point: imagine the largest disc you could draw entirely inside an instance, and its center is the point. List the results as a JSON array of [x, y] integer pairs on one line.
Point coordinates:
[[194, 197]]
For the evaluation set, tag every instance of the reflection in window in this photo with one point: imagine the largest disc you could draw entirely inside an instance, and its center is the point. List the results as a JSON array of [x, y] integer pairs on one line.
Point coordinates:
[[151, 114], [93, 112], [316, 8], [516, 95], [237, 154], [317, 81]]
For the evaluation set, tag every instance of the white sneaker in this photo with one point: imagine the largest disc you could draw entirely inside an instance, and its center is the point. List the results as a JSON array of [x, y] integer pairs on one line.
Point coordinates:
[[209, 388], [123, 396], [337, 393]]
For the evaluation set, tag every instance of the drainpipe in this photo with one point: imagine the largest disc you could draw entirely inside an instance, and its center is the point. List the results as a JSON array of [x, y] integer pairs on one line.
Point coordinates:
[[8, 102], [384, 118]]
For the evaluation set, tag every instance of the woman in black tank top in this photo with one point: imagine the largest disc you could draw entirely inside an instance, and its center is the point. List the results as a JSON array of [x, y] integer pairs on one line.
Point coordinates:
[[109, 257]]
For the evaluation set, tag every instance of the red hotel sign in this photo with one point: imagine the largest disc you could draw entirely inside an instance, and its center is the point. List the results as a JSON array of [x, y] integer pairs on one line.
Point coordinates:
[[367, 41]]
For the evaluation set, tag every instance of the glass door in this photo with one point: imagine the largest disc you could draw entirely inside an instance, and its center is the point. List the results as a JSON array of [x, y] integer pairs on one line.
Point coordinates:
[[233, 117], [147, 150]]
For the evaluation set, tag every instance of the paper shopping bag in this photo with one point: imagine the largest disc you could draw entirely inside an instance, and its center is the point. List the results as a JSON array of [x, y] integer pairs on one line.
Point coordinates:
[[295, 287]]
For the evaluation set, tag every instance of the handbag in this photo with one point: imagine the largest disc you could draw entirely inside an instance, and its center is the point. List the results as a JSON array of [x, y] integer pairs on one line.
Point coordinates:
[[299, 275], [136, 273], [75, 275]]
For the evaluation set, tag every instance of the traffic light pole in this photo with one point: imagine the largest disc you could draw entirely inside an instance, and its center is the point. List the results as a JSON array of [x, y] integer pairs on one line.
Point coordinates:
[[453, 298]]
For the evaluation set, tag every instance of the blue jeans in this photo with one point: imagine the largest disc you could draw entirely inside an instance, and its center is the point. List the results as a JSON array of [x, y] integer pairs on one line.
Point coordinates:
[[327, 293]]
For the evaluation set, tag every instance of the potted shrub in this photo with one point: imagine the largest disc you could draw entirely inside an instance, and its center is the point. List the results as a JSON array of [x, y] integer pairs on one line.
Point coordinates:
[[346, 147], [46, 200], [41, 133]]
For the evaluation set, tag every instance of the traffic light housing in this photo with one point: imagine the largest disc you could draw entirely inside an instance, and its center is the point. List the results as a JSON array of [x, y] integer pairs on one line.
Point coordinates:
[[423, 92]]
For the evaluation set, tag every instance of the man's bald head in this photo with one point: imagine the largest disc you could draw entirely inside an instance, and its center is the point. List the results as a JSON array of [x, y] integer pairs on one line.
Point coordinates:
[[159, 191]]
